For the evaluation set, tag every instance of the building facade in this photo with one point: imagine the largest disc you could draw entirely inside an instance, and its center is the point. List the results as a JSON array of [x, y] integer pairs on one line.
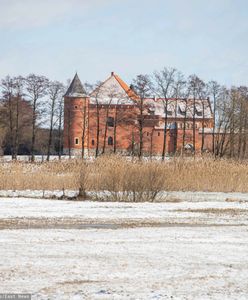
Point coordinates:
[[110, 119]]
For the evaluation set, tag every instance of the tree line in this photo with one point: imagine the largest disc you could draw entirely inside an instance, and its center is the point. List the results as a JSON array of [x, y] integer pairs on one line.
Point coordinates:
[[31, 113], [31, 116]]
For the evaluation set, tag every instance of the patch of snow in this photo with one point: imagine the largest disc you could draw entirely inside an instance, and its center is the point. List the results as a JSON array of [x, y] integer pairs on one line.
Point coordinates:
[[114, 212], [135, 263], [162, 196]]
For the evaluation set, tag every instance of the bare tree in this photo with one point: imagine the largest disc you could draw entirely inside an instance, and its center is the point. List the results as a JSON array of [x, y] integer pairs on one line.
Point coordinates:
[[12, 89], [36, 87], [60, 110], [54, 90], [19, 85], [121, 117], [164, 81], [244, 92], [223, 113], [8, 87], [233, 107], [84, 122], [111, 96], [180, 92], [96, 96], [204, 100], [214, 91], [240, 115], [142, 86], [186, 113], [67, 128], [196, 85]]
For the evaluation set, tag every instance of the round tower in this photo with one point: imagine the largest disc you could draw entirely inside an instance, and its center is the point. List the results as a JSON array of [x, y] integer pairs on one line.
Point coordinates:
[[76, 108]]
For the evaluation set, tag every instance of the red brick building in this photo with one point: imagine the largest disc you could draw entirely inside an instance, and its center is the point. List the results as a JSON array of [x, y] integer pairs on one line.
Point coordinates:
[[108, 120]]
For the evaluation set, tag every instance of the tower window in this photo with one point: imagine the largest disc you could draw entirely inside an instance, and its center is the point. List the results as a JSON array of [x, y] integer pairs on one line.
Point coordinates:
[[93, 142], [110, 121], [76, 141], [76, 107], [110, 141], [158, 133]]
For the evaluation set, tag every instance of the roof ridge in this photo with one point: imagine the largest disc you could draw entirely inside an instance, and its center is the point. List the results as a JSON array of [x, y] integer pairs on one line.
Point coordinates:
[[131, 94]]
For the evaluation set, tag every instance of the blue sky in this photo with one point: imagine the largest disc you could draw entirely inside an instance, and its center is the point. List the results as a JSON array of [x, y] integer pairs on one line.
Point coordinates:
[[94, 37]]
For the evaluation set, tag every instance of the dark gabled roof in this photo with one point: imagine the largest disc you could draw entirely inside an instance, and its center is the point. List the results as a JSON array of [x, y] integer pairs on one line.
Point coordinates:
[[76, 88]]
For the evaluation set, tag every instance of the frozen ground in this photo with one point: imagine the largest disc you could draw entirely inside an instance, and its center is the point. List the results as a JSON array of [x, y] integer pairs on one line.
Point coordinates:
[[91, 250], [163, 196]]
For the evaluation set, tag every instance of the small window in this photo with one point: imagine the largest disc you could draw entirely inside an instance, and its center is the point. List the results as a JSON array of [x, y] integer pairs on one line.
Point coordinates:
[[110, 121], [76, 107], [158, 133], [76, 141], [147, 133], [110, 141], [93, 142]]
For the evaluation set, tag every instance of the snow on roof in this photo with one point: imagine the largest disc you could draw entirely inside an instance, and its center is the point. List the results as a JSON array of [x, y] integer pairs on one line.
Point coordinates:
[[113, 91], [177, 108]]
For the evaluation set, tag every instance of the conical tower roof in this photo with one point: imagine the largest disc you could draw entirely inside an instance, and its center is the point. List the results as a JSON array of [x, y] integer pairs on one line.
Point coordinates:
[[76, 88]]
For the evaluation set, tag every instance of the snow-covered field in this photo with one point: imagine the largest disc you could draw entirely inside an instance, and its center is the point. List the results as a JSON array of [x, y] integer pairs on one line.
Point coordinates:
[[93, 250]]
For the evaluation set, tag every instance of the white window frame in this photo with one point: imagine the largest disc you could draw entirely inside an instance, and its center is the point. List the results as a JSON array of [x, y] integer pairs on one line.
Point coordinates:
[[75, 141]]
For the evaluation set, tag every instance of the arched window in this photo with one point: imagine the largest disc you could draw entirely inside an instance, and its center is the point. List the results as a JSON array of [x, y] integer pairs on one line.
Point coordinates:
[[110, 141], [76, 141]]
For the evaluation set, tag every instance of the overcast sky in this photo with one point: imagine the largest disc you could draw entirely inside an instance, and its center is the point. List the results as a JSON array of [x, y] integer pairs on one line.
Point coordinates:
[[94, 37]]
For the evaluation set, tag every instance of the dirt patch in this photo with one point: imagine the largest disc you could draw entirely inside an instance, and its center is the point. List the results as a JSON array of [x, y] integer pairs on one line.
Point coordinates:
[[222, 211], [235, 200], [71, 223], [79, 282]]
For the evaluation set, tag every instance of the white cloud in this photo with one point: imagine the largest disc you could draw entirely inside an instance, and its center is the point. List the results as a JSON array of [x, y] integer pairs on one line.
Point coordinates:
[[35, 13]]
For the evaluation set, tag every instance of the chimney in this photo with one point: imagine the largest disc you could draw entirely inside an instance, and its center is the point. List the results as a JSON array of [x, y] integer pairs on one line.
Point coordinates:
[[112, 73]]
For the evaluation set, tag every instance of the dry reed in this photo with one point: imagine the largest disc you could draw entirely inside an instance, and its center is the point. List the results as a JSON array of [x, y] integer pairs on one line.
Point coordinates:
[[120, 179]]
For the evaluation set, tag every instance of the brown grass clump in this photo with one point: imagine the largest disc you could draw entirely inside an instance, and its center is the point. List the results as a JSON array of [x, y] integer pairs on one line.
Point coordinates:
[[121, 179], [207, 175]]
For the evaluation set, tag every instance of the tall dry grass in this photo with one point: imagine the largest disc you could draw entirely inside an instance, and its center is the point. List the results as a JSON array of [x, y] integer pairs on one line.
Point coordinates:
[[120, 179]]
